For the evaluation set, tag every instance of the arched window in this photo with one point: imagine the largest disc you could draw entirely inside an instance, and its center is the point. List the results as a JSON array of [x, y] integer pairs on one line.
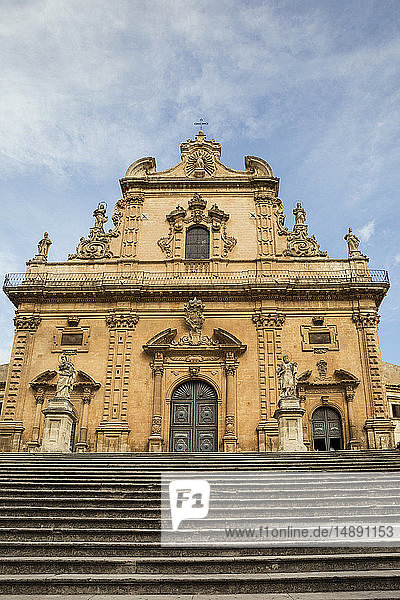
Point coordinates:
[[197, 243]]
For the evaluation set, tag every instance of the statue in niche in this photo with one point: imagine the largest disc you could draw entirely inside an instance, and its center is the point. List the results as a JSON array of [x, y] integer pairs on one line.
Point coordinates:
[[200, 162], [299, 215], [44, 245], [287, 375], [352, 243], [66, 377]]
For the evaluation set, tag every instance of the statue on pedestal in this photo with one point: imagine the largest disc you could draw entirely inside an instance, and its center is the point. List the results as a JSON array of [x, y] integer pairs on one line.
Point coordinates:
[[44, 245], [287, 375], [66, 377], [43, 249], [299, 215], [352, 243], [289, 413]]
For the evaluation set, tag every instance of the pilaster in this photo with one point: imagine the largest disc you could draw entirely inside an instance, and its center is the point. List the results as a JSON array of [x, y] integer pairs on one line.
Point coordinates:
[[155, 439], [131, 210], [121, 327], [11, 425], [378, 425], [230, 437], [269, 348]]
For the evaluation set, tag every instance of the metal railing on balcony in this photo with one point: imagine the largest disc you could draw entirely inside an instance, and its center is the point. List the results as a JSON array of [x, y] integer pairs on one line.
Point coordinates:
[[143, 280]]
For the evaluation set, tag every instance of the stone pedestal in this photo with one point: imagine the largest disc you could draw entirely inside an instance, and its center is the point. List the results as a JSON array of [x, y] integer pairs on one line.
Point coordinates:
[[290, 426], [113, 436], [59, 418], [380, 434]]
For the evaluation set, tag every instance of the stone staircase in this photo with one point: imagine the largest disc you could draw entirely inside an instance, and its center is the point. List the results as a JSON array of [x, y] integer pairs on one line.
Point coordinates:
[[90, 524]]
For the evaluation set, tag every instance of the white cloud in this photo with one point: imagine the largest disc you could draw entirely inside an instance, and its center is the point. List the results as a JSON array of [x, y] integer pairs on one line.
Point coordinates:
[[366, 231], [87, 84]]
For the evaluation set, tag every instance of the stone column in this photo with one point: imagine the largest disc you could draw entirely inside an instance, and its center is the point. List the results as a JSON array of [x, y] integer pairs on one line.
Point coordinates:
[[302, 399], [230, 437], [155, 439], [11, 425], [269, 330], [354, 442], [34, 444], [82, 445], [379, 426]]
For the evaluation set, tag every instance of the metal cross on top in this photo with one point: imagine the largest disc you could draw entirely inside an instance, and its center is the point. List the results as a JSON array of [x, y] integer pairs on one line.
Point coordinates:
[[201, 123]]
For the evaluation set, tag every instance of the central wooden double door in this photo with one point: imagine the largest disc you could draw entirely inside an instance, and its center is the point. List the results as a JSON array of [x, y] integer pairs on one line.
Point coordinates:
[[194, 418]]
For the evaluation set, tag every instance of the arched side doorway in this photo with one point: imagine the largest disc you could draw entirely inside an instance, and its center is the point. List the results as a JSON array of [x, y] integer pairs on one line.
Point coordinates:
[[327, 429], [194, 418]]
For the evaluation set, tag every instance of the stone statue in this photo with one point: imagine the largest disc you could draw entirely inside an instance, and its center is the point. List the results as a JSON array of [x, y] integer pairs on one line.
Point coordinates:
[[44, 245], [299, 215], [287, 375], [66, 377], [200, 163], [352, 243], [100, 216]]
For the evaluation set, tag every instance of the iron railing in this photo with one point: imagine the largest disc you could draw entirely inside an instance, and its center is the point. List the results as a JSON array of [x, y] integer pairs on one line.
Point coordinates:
[[142, 280]]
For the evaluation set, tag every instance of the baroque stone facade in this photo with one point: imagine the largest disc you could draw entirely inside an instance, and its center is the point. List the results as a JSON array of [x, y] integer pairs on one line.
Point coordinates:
[[177, 318]]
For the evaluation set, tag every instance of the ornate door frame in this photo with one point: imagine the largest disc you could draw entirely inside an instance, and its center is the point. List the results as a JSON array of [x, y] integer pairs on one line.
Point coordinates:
[[194, 417], [194, 357]]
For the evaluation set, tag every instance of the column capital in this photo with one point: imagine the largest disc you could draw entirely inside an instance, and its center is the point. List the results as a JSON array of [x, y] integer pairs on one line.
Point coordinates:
[[126, 320], [230, 369], [268, 320], [363, 320], [27, 322]]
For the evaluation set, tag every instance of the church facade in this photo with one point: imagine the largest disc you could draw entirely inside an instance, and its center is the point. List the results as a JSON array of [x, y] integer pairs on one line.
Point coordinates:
[[173, 322]]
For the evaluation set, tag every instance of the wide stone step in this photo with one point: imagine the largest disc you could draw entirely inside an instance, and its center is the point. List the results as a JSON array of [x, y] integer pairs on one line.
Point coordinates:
[[142, 548], [199, 564], [227, 583]]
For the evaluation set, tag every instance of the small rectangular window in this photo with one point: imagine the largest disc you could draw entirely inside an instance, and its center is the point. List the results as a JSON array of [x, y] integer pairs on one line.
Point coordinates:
[[319, 337], [71, 339], [396, 411]]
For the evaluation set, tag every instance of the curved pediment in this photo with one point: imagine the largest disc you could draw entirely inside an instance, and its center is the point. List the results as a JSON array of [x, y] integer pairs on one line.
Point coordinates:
[[200, 159], [142, 167], [258, 166], [165, 341]]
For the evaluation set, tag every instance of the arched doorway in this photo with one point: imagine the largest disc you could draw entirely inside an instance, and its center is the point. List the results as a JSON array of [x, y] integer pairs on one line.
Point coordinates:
[[194, 418], [327, 429]]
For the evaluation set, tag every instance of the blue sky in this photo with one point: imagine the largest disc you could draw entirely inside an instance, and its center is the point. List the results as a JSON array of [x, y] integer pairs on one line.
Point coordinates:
[[312, 87]]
